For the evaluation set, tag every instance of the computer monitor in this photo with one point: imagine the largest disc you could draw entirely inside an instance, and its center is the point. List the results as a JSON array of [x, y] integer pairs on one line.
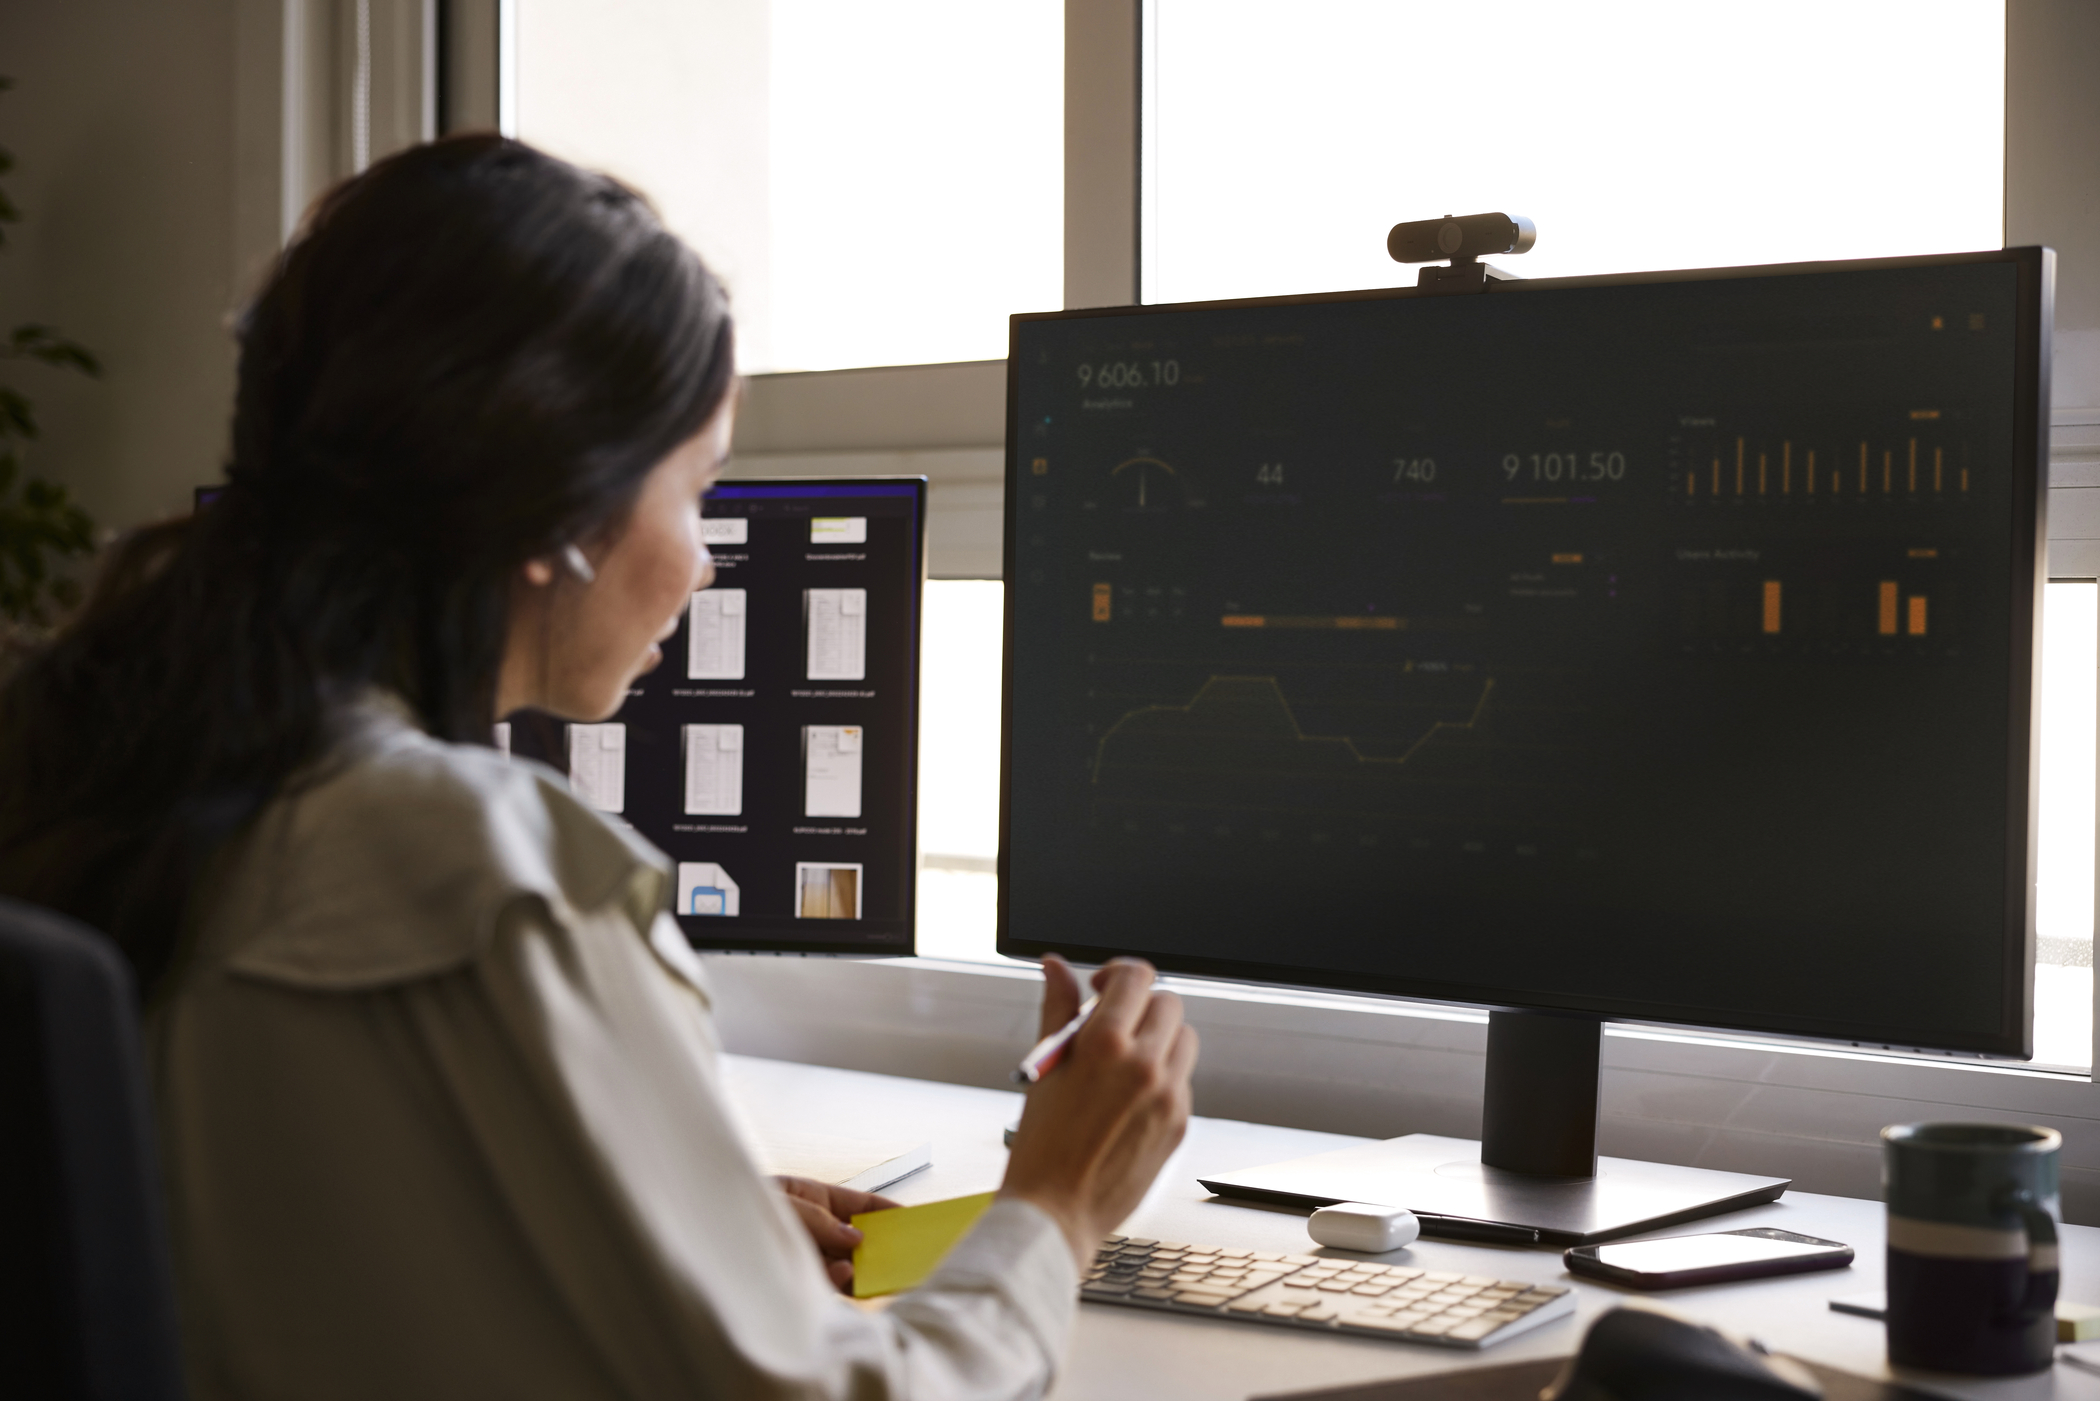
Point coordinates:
[[1655, 648], [773, 755]]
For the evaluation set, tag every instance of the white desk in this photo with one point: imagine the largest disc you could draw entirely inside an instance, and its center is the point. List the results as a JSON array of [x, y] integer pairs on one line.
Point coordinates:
[[1124, 1352]]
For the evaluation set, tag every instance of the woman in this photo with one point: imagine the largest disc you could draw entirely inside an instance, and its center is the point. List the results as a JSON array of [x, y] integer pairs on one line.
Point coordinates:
[[437, 1081]]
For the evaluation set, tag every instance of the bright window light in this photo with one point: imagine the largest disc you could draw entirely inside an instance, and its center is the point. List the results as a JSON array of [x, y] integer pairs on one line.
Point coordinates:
[[2063, 972], [878, 184], [1282, 141], [959, 684]]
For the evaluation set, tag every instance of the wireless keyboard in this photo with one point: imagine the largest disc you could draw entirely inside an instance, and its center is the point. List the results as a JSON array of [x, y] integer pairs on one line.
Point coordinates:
[[1311, 1291]]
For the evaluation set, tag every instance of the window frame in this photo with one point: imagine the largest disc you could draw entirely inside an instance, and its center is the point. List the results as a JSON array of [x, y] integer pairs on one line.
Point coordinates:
[[1382, 1066]]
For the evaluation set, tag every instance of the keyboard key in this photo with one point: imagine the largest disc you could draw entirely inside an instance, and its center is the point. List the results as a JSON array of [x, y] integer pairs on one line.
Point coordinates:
[[1235, 1253], [1148, 1291], [1473, 1330], [1284, 1310], [1434, 1327], [1373, 1289], [1245, 1306], [1268, 1255], [1319, 1313], [1200, 1298], [1377, 1325]]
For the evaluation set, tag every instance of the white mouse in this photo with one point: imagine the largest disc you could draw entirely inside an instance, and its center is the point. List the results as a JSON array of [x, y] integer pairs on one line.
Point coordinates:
[[1362, 1226]]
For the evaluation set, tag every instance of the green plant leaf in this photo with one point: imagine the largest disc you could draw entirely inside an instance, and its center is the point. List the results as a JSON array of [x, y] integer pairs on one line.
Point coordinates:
[[17, 418], [48, 346]]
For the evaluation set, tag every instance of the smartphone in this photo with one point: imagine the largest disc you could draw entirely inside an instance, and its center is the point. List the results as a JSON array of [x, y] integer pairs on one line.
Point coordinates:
[[1714, 1259]]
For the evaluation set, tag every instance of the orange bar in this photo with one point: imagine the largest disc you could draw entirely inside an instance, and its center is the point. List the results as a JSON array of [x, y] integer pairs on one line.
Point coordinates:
[[1738, 466], [1717, 476], [1786, 469], [1771, 605], [1964, 479], [1888, 608], [1913, 464], [1888, 469], [1567, 559], [1104, 597], [1347, 622], [1917, 615], [1862, 469], [1936, 469], [1691, 484], [1760, 474], [1811, 471]]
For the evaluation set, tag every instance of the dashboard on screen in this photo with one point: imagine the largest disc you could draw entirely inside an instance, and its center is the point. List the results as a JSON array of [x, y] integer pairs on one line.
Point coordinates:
[[1655, 648]]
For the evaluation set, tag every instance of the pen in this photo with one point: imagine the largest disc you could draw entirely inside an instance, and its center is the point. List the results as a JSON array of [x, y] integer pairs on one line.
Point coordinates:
[[1051, 1049]]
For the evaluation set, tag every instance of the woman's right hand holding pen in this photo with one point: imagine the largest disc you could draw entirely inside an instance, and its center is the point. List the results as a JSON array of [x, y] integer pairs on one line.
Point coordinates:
[[1099, 1126]]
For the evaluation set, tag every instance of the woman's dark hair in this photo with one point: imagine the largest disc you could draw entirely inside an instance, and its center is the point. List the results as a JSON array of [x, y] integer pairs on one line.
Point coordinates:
[[472, 355]]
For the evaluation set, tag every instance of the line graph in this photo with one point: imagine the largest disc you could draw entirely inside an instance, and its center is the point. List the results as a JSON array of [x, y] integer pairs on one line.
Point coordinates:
[[1254, 708]]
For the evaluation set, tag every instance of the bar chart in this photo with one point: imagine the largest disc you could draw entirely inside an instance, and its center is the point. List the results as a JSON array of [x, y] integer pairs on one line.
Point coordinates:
[[1919, 459]]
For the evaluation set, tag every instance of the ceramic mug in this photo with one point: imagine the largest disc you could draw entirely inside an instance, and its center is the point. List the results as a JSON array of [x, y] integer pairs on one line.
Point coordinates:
[[1972, 1262]]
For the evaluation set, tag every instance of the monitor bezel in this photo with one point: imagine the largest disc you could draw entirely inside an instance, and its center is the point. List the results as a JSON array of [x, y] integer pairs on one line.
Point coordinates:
[[2028, 550]]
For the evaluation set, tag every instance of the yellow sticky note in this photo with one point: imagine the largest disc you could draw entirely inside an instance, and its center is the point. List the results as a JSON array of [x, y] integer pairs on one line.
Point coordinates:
[[2076, 1323], [903, 1245]]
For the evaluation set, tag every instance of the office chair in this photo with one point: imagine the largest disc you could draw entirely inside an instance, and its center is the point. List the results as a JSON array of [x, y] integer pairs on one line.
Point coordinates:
[[87, 1305]]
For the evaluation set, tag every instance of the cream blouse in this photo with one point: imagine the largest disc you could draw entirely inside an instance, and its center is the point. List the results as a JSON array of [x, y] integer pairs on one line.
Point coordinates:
[[441, 1117]]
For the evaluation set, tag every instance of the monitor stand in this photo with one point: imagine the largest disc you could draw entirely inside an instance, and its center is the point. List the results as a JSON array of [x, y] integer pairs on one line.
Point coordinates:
[[1535, 1177]]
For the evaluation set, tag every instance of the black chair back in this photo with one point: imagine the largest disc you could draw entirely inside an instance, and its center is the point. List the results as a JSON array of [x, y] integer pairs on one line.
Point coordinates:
[[87, 1305]]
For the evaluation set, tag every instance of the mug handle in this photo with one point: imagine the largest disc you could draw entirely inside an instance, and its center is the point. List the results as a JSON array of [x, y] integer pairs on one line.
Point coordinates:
[[2042, 1257]]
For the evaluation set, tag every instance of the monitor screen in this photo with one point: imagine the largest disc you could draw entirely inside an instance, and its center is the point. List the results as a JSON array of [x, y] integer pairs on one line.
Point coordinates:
[[1657, 648], [773, 755]]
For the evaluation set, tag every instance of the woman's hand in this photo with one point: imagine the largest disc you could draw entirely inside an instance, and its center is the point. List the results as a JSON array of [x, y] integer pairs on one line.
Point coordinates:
[[1101, 1124], [826, 1213]]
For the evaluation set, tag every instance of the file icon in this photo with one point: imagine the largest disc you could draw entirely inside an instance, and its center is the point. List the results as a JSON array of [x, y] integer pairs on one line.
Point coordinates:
[[714, 643], [837, 623], [704, 888], [598, 765], [714, 769], [831, 757]]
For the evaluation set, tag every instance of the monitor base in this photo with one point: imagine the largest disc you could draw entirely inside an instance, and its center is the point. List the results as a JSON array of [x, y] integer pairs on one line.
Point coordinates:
[[1443, 1181]]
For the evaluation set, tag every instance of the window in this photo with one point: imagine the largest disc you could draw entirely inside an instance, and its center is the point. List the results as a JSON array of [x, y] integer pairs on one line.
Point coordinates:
[[2063, 972], [877, 184], [959, 768], [1281, 142]]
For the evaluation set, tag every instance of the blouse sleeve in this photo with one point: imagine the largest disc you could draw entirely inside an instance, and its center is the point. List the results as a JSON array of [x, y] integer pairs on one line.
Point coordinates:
[[673, 1254]]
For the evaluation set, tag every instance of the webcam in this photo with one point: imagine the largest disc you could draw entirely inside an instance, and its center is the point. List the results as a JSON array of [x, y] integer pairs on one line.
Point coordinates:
[[1464, 239]]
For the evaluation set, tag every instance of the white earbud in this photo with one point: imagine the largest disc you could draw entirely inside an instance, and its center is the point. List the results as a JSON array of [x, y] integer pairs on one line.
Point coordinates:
[[578, 565]]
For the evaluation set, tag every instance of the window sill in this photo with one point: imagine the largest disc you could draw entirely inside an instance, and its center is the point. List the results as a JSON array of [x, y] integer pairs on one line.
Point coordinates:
[[1383, 1067]]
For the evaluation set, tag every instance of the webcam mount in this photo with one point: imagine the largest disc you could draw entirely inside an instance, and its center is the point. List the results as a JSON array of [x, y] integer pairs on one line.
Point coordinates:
[[1464, 239]]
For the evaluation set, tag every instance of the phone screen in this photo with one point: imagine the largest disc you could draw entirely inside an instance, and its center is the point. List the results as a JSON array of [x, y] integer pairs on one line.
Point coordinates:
[[1658, 1257]]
